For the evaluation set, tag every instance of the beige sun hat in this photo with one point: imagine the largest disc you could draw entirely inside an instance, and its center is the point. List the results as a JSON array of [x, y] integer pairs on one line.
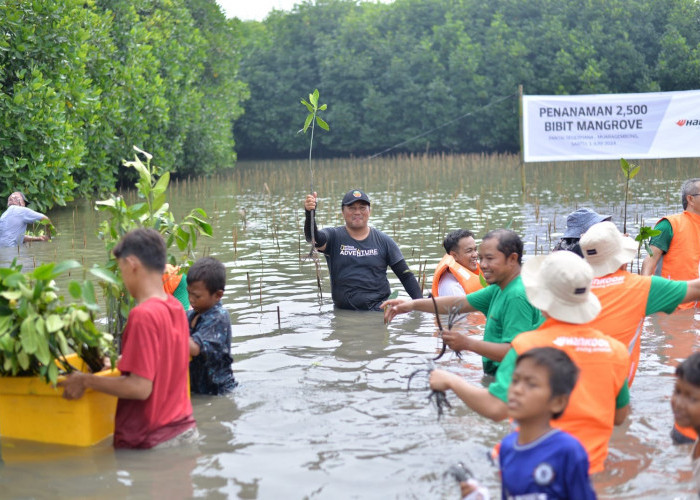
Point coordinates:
[[605, 248], [559, 284]]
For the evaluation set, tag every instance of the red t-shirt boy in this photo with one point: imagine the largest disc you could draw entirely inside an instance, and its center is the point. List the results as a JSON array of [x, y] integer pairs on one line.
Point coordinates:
[[153, 406]]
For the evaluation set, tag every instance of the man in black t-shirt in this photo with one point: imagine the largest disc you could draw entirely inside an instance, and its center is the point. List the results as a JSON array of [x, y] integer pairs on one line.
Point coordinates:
[[358, 255]]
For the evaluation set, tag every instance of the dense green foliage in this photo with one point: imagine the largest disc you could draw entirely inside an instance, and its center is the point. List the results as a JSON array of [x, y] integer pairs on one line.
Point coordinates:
[[394, 71], [81, 81], [38, 329], [154, 213]]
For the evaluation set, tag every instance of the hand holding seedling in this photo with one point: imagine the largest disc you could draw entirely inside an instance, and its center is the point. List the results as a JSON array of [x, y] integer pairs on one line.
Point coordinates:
[[310, 202]]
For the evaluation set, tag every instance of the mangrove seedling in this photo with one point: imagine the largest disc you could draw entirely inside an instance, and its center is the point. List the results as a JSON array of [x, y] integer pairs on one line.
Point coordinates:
[[38, 328], [646, 233], [152, 212], [630, 170], [312, 119]]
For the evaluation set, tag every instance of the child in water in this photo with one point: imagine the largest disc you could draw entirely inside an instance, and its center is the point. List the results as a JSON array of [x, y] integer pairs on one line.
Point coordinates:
[[685, 403], [537, 460], [210, 329]]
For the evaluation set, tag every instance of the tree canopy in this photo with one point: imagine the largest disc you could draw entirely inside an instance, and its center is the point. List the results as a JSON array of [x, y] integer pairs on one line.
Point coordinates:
[[390, 72], [82, 81]]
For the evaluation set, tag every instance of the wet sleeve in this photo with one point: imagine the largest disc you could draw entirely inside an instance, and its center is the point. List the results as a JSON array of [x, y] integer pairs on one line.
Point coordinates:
[[320, 236], [212, 337], [408, 280], [623, 397], [481, 299], [504, 375], [663, 240], [665, 295]]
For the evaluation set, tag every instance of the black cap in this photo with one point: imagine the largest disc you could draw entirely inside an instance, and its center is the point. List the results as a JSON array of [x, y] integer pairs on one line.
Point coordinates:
[[354, 195]]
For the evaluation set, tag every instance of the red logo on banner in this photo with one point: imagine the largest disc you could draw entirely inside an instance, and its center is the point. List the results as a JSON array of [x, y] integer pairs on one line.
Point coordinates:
[[680, 123]]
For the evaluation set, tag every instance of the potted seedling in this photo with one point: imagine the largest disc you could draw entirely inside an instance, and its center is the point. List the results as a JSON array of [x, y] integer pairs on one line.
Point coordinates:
[[42, 336]]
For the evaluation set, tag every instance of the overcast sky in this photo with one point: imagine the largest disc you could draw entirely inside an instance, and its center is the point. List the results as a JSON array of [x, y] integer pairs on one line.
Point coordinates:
[[249, 10]]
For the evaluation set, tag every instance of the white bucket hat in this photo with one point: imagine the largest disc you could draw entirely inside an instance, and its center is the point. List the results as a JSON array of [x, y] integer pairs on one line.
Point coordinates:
[[606, 249], [559, 284]]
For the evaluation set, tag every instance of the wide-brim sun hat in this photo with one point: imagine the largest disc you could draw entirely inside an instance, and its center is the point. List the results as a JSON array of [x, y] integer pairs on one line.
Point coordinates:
[[605, 248], [579, 221], [559, 284]]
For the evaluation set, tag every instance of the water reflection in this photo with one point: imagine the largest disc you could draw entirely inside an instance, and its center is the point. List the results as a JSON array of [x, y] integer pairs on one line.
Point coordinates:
[[322, 410]]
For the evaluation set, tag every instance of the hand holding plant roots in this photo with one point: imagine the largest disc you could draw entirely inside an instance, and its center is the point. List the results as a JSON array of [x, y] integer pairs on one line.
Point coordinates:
[[453, 318], [438, 398]]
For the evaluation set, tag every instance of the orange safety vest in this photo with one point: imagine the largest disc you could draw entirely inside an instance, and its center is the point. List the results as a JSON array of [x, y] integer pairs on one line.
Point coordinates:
[[682, 260], [603, 363], [469, 281], [171, 279], [623, 298]]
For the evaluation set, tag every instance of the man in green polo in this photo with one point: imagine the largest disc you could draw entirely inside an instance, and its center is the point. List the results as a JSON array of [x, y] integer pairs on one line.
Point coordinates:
[[504, 303]]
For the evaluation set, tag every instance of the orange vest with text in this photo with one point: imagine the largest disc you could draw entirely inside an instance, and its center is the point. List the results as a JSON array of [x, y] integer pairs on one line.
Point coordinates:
[[623, 299], [467, 279], [682, 260], [603, 363]]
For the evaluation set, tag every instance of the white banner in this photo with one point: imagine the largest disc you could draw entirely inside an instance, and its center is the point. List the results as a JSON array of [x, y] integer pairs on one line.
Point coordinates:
[[611, 126]]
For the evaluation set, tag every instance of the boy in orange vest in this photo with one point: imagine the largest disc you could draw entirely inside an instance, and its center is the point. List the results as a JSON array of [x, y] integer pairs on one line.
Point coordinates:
[[559, 285]]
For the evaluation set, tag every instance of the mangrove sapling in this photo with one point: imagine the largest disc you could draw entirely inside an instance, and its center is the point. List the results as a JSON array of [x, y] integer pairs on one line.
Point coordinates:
[[153, 212], [38, 328], [646, 233], [311, 120], [630, 170]]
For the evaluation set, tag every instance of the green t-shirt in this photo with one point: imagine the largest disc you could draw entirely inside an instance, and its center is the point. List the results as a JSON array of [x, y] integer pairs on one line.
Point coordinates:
[[508, 313], [504, 375], [663, 240], [665, 295], [181, 294]]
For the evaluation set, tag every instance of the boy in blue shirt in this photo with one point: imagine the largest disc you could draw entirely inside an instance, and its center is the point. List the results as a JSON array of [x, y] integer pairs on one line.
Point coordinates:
[[210, 329], [538, 461]]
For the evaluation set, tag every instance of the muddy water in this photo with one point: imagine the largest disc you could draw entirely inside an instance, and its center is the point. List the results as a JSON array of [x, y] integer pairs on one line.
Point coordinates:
[[322, 410]]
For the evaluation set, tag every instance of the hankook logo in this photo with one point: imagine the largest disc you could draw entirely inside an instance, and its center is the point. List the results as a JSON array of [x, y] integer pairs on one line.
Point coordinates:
[[688, 123]]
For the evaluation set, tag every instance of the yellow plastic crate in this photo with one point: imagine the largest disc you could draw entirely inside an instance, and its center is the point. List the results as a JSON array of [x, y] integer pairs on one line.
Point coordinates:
[[33, 410]]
